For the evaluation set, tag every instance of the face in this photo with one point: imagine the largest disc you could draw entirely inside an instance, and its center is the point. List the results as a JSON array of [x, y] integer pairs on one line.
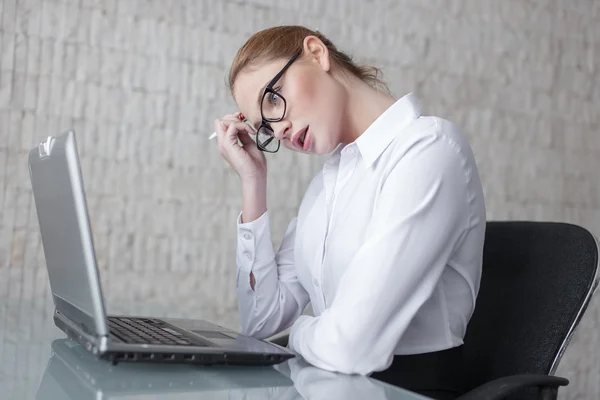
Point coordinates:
[[315, 99]]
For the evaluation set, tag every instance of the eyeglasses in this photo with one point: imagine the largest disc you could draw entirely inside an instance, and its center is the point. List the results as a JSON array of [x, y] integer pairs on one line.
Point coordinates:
[[272, 109]]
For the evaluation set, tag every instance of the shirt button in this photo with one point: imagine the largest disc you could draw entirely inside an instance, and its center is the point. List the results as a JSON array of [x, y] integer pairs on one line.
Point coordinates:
[[247, 236], [249, 256], [316, 282]]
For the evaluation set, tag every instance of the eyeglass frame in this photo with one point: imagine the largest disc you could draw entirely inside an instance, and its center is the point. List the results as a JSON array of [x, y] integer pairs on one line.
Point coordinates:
[[269, 89]]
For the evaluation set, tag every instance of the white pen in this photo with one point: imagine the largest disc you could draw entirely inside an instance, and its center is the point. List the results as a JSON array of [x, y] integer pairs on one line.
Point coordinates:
[[214, 134]]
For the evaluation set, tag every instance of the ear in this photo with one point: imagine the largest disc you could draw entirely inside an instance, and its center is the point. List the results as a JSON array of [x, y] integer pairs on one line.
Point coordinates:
[[317, 51]]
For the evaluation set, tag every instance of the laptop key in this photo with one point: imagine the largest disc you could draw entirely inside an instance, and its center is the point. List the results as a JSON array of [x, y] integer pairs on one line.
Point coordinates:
[[148, 331]]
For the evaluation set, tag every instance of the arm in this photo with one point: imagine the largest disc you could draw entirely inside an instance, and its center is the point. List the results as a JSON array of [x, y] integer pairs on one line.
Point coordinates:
[[275, 298], [270, 297], [421, 213]]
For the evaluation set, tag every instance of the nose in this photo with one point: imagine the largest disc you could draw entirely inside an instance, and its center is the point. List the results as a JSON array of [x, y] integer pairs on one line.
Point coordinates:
[[282, 129]]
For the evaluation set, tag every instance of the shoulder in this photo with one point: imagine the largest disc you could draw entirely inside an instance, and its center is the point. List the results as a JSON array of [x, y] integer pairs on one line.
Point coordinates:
[[434, 140], [431, 151], [430, 128]]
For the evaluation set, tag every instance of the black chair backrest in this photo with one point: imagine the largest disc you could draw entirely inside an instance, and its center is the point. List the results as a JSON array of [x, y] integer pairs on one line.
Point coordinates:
[[537, 280]]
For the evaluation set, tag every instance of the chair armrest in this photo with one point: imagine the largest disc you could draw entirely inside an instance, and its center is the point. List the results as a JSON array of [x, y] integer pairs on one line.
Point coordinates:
[[502, 387]]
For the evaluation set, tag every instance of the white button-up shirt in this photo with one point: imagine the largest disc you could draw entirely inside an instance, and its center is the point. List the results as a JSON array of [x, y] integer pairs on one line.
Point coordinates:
[[387, 246]]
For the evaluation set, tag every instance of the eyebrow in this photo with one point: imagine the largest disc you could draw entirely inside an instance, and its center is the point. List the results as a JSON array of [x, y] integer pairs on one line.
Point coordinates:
[[261, 93], [277, 77], [270, 83]]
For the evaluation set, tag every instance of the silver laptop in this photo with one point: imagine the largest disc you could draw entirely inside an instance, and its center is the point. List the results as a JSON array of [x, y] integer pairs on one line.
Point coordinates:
[[60, 201]]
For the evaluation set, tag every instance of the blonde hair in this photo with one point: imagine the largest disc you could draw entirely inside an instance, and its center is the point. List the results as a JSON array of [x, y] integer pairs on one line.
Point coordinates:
[[285, 41]]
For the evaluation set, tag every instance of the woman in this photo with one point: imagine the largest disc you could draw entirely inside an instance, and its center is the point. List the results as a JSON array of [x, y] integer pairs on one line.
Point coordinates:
[[387, 244]]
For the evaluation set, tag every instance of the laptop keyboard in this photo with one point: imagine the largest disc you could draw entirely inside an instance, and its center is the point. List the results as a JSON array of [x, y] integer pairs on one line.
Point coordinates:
[[147, 331]]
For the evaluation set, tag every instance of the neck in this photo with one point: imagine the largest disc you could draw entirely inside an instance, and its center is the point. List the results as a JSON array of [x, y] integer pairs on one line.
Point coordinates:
[[365, 105]]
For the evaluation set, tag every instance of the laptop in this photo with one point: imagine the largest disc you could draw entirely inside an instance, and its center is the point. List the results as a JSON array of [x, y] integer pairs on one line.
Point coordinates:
[[63, 218], [74, 373]]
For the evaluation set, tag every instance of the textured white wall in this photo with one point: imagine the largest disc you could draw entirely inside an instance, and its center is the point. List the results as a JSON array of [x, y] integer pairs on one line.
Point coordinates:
[[141, 81]]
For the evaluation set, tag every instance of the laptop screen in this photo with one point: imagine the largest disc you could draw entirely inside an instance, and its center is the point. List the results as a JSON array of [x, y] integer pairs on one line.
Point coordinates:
[[64, 224]]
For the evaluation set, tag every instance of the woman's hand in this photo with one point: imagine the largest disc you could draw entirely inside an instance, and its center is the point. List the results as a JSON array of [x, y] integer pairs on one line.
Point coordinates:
[[246, 159]]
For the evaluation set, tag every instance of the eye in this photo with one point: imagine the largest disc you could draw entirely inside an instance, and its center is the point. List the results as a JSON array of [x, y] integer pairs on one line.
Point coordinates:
[[273, 99]]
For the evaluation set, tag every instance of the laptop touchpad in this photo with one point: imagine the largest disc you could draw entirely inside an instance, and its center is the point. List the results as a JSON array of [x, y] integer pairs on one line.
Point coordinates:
[[215, 335]]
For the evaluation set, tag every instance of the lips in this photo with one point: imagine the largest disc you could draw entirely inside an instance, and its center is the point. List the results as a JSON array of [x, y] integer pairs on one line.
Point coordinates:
[[299, 139], [307, 140]]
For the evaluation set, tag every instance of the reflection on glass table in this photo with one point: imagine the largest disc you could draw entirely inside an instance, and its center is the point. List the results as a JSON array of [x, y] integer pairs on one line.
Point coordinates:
[[73, 373], [317, 384]]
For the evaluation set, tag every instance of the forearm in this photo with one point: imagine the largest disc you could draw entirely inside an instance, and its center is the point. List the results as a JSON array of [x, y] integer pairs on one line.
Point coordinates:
[[272, 307], [254, 199], [274, 299]]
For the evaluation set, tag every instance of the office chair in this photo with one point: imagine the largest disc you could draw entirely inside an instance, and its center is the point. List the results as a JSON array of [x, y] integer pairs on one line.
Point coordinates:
[[538, 278]]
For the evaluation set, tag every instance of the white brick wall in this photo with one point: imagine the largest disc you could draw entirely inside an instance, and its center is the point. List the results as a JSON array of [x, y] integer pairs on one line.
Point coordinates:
[[141, 82]]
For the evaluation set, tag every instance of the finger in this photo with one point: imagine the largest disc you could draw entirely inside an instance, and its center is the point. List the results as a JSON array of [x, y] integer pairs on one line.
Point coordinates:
[[220, 128], [232, 133], [221, 125], [246, 139], [249, 145], [234, 116], [228, 121], [237, 126]]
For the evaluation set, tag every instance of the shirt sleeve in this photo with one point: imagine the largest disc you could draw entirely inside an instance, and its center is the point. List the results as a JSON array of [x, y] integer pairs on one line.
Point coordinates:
[[278, 297], [420, 215]]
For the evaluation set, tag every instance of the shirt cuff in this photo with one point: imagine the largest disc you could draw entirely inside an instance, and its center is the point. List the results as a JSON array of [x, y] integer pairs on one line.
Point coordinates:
[[254, 245]]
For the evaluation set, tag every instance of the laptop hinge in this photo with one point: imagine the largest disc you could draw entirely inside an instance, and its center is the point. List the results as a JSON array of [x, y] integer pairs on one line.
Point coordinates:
[[94, 344], [77, 315]]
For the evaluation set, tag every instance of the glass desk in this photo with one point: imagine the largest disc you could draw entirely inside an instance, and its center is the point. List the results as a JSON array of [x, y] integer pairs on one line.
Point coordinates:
[[38, 362]]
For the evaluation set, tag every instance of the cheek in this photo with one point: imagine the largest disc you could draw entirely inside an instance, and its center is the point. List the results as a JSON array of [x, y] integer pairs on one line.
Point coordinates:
[[316, 101], [304, 95]]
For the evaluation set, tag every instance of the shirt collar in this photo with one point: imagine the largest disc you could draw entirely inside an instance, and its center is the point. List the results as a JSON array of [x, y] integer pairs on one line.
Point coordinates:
[[382, 131]]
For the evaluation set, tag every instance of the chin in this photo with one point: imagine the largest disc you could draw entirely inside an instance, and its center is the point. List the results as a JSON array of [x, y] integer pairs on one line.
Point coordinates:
[[320, 148], [319, 151], [328, 148]]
